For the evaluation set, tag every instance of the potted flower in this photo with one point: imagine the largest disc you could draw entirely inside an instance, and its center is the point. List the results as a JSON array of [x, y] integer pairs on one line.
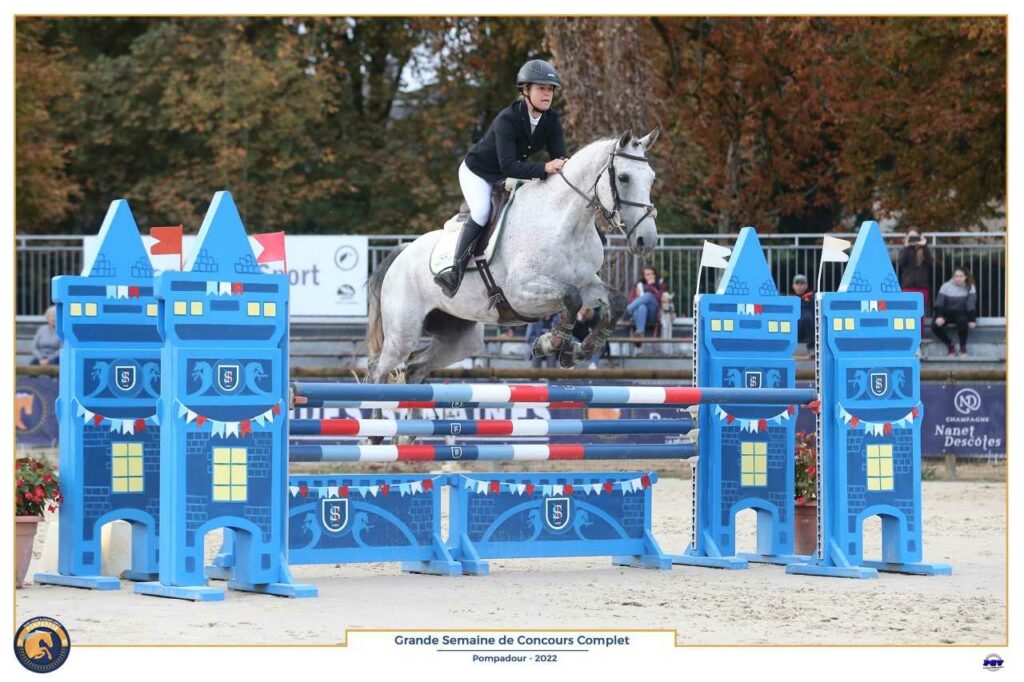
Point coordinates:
[[805, 521], [36, 488]]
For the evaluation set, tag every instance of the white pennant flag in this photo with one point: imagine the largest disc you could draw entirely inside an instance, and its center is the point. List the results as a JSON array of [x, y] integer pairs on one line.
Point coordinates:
[[294, 490], [232, 428], [182, 410], [190, 416], [216, 427], [224, 288], [122, 291], [258, 419], [374, 489], [481, 487], [111, 291], [211, 288], [417, 487], [714, 256], [834, 250], [559, 489], [520, 488]]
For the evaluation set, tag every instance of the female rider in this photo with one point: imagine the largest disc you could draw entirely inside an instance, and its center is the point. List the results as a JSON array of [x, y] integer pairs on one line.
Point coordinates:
[[517, 132]]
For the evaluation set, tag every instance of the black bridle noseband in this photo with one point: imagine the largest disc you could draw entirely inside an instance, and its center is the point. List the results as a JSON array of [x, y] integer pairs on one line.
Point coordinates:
[[614, 217]]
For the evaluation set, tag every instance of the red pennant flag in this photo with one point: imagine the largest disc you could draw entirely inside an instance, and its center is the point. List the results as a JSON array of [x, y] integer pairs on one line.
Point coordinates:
[[384, 489], [887, 428], [529, 488], [133, 291], [168, 240], [729, 419], [245, 427], [428, 484], [343, 491], [273, 247], [882, 306], [494, 487], [814, 406], [854, 421], [762, 425], [758, 308], [567, 489], [237, 288], [140, 425], [607, 487], [200, 420], [916, 412], [791, 409], [303, 490], [96, 419], [276, 409], [645, 482]]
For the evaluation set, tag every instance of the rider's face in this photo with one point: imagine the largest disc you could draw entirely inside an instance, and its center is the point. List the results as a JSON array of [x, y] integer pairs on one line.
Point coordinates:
[[540, 96]]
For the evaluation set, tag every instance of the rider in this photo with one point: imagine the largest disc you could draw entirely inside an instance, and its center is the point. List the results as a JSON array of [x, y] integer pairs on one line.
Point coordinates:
[[517, 132]]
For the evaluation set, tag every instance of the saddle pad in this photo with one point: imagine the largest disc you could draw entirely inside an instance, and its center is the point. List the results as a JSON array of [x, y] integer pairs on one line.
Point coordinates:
[[443, 253]]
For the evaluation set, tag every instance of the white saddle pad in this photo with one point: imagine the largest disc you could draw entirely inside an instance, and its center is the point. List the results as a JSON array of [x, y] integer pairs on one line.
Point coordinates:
[[443, 253]]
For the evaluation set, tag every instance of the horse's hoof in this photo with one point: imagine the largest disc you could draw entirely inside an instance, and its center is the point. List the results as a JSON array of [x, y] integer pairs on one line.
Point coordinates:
[[541, 348]]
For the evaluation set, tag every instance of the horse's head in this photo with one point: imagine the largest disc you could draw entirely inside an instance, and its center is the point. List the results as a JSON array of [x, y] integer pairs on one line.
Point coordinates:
[[628, 192]]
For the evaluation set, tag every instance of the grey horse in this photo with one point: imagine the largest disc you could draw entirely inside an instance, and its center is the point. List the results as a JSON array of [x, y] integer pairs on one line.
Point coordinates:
[[548, 261]]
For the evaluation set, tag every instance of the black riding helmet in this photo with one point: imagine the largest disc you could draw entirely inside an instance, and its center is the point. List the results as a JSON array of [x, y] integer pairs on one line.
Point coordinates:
[[538, 71]]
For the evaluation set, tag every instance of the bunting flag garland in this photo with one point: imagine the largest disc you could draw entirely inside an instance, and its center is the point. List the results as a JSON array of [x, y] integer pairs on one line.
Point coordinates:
[[225, 288], [755, 425], [243, 427], [873, 306], [131, 425], [878, 428], [492, 487], [116, 291], [749, 308], [333, 491]]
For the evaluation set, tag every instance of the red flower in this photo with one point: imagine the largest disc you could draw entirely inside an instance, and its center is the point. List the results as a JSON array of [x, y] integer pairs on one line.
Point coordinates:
[[47, 477], [52, 509], [799, 500], [811, 470]]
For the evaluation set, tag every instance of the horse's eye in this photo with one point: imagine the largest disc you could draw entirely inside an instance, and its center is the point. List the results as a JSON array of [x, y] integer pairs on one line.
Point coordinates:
[[623, 177]]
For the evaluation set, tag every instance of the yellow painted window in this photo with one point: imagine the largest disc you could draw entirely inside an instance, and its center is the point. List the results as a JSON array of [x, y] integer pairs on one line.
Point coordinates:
[[848, 323], [879, 466], [773, 325], [785, 327], [126, 467], [180, 308], [911, 323], [727, 325], [253, 309], [837, 324], [76, 309], [230, 476], [90, 310], [196, 308], [716, 325], [270, 309], [897, 323], [753, 463], [151, 309]]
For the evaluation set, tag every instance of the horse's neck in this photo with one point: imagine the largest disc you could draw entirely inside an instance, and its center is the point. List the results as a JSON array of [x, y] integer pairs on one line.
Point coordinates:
[[582, 170]]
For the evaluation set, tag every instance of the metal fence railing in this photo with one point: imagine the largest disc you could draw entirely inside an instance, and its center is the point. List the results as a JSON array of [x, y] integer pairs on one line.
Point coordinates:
[[40, 258]]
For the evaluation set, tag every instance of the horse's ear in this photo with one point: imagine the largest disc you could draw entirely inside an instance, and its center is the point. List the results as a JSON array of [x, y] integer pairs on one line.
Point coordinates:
[[650, 138], [625, 138]]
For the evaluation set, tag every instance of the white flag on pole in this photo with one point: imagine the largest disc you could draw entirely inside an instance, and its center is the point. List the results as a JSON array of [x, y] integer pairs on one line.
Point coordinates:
[[714, 256], [834, 250]]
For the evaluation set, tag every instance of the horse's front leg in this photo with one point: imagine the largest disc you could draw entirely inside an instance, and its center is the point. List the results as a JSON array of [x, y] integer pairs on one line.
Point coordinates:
[[605, 327], [559, 340]]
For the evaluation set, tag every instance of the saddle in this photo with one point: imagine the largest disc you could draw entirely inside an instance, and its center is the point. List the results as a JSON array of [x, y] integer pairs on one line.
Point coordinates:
[[500, 194]]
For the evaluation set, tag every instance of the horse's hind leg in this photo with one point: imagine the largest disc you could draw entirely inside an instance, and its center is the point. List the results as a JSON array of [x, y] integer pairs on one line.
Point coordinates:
[[452, 340]]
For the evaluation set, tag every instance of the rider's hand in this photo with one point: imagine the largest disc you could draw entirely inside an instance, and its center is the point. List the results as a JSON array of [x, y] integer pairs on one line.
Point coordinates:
[[940, 321], [553, 166]]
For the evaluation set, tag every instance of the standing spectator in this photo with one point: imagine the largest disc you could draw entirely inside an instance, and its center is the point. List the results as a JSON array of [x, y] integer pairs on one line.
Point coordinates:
[[46, 344], [915, 266], [534, 330], [805, 327], [956, 303], [645, 299]]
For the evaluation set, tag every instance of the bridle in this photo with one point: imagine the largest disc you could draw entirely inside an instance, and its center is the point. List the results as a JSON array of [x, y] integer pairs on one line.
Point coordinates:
[[614, 216]]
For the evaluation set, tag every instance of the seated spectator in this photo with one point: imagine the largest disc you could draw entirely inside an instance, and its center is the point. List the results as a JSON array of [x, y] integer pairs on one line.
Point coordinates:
[[534, 331], [805, 327], [645, 299], [956, 303], [46, 344], [586, 320], [915, 265]]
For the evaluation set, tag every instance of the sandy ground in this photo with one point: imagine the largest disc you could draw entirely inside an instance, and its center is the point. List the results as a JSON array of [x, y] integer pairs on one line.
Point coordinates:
[[965, 525]]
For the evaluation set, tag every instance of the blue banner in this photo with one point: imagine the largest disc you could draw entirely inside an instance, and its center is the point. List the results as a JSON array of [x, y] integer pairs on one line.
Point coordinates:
[[965, 419], [35, 423]]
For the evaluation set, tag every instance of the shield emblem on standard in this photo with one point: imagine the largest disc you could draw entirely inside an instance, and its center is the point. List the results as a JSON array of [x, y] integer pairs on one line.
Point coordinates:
[[879, 384], [752, 379], [557, 511], [124, 377], [228, 379], [334, 514]]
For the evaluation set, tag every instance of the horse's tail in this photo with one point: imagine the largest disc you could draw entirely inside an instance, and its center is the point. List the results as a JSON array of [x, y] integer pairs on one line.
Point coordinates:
[[374, 325]]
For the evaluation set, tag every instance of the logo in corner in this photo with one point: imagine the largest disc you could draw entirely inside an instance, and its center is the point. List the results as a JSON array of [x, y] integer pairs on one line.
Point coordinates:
[[992, 663], [42, 644]]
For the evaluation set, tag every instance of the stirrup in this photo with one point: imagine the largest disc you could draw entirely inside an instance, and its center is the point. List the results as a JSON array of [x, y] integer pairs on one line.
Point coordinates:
[[443, 280]]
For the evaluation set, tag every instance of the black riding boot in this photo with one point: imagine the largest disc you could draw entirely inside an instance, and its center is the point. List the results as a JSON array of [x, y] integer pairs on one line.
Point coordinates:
[[450, 279]]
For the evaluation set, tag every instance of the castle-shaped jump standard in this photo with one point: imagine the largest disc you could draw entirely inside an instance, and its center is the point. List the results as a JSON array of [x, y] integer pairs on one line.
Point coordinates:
[[107, 406]]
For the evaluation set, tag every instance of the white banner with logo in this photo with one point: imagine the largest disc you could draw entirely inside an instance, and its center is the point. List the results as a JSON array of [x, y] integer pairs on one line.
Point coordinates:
[[327, 273]]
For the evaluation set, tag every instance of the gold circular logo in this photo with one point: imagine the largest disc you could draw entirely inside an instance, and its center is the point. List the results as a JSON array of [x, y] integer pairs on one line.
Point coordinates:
[[42, 644]]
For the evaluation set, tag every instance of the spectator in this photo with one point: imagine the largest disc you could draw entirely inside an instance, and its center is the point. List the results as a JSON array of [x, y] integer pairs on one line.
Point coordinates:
[[534, 330], [805, 327], [915, 266], [956, 303], [46, 344], [645, 299], [586, 320]]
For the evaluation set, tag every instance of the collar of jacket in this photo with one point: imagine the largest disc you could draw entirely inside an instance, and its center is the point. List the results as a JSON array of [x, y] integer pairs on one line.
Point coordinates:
[[524, 116]]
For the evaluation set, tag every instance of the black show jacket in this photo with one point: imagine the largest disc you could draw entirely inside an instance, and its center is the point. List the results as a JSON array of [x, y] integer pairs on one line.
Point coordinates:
[[504, 148]]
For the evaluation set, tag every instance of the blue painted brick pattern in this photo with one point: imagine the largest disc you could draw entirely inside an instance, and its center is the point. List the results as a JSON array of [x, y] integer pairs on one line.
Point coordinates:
[[97, 475], [142, 269], [205, 262], [101, 267], [247, 265]]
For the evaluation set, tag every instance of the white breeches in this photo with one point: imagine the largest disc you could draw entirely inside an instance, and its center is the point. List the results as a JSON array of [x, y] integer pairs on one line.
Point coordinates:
[[477, 192]]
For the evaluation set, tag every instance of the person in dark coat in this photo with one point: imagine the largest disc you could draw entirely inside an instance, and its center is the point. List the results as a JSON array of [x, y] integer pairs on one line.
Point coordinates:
[[805, 327], [645, 299], [519, 131], [956, 303], [915, 264]]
